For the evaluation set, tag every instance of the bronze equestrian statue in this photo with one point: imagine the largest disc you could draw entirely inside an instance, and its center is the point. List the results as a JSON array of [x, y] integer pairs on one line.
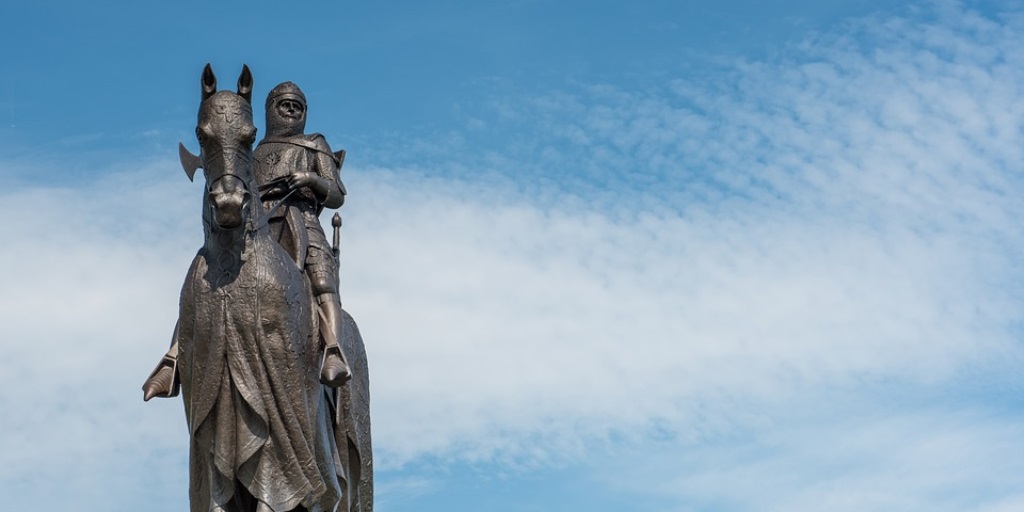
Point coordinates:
[[278, 422]]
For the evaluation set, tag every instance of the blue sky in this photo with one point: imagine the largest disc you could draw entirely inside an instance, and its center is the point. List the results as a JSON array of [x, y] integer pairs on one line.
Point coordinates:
[[656, 256]]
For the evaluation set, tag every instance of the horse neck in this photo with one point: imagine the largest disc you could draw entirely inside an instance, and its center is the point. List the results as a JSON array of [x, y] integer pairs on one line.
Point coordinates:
[[226, 240]]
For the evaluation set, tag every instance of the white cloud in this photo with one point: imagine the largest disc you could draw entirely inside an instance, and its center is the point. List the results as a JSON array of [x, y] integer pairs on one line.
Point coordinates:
[[846, 212], [874, 458]]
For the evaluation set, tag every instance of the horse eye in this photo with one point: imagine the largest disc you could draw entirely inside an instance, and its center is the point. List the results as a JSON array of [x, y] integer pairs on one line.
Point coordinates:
[[200, 136]]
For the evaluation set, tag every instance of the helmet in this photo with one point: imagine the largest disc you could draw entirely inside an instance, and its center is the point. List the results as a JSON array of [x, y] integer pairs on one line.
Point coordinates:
[[277, 124], [288, 90]]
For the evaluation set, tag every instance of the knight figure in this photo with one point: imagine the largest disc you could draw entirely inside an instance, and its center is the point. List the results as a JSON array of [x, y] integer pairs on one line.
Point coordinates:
[[298, 176]]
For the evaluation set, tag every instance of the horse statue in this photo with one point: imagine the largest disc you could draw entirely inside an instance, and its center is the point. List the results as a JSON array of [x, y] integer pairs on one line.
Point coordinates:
[[265, 434]]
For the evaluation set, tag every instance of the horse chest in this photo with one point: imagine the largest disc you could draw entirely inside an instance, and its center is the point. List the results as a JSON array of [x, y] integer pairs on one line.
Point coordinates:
[[258, 305]]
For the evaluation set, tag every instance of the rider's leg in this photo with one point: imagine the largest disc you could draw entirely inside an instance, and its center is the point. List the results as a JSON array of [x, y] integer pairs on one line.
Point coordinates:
[[323, 277], [335, 370]]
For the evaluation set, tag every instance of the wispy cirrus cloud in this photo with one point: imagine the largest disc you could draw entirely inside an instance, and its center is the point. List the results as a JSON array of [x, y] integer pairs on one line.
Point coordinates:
[[846, 211], [840, 453]]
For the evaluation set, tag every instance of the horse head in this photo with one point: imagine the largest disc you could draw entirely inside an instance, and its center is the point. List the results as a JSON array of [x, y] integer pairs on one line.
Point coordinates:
[[226, 134]]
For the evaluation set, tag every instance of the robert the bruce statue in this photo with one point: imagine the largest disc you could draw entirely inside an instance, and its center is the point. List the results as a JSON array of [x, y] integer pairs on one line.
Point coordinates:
[[298, 176], [278, 421]]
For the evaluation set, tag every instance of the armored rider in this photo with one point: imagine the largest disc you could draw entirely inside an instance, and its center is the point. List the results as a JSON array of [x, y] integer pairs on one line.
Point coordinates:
[[298, 176]]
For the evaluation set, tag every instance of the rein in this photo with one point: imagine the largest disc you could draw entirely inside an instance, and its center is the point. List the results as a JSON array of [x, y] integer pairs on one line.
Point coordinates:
[[265, 218], [262, 221]]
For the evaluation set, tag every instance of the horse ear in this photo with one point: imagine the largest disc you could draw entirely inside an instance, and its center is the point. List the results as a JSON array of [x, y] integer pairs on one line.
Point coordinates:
[[245, 84], [189, 162], [209, 82]]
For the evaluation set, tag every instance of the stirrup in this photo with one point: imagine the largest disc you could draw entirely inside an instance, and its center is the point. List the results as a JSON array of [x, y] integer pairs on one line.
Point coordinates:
[[164, 381], [338, 374]]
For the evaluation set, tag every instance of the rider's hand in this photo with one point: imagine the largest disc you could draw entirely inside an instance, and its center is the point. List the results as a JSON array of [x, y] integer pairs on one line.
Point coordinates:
[[301, 179]]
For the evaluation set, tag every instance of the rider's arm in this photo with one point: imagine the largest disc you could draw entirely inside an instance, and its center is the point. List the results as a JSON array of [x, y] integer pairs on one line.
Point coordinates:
[[330, 192]]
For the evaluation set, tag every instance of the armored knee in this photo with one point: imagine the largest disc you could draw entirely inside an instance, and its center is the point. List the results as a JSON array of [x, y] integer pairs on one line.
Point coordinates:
[[322, 280], [322, 272]]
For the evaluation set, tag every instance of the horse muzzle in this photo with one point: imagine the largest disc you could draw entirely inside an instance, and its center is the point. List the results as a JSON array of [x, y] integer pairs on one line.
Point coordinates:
[[229, 201]]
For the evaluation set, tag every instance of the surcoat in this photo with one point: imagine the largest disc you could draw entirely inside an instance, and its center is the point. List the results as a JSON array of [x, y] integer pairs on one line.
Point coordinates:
[[295, 223]]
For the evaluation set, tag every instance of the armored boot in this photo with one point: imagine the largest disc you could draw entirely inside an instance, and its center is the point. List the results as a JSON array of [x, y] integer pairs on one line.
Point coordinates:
[[334, 369], [163, 382]]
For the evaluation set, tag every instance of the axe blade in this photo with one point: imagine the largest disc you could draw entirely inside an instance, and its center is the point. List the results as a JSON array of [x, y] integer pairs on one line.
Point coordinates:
[[189, 162]]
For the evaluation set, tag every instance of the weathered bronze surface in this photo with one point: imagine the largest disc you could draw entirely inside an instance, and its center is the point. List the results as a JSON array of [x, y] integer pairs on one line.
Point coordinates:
[[278, 418]]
